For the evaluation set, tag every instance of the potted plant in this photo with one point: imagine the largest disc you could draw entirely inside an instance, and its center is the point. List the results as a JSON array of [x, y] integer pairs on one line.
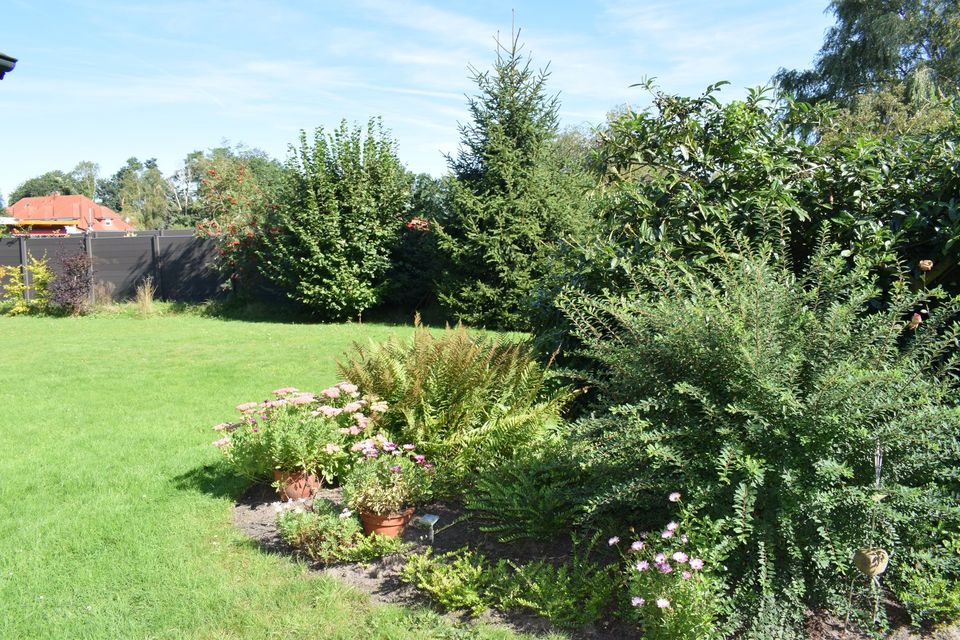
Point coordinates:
[[299, 438], [387, 482]]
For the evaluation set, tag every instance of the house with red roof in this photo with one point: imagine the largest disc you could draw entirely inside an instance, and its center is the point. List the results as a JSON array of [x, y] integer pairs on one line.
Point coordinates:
[[59, 215]]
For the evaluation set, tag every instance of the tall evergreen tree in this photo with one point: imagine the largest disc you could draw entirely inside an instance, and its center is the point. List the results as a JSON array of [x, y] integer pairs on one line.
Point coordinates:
[[512, 196]]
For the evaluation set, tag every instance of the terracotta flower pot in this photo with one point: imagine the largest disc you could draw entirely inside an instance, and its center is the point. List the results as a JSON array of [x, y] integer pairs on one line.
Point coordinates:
[[871, 561], [295, 485], [390, 526]]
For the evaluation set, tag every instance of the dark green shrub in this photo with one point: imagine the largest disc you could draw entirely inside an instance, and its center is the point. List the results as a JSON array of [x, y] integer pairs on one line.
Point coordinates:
[[572, 594], [327, 244], [468, 402], [800, 420], [534, 498]]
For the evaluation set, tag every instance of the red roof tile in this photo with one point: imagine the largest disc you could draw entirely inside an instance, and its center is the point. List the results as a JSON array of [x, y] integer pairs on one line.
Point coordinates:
[[93, 216]]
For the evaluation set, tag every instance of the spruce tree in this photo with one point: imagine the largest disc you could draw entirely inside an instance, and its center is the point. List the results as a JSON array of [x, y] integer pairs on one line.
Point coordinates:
[[512, 197]]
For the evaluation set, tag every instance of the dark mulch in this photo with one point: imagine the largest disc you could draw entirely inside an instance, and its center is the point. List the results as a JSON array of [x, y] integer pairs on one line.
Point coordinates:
[[255, 514]]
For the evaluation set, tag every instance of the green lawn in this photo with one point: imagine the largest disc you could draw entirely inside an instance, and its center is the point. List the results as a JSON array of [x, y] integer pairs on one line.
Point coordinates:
[[115, 518]]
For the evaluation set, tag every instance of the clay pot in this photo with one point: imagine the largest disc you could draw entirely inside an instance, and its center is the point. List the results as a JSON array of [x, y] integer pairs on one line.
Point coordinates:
[[295, 485], [871, 561], [390, 526]]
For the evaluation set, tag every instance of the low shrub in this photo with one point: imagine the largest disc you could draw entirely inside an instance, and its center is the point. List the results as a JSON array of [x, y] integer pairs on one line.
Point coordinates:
[[327, 534], [571, 594], [534, 497], [71, 289], [16, 289], [457, 580], [467, 401]]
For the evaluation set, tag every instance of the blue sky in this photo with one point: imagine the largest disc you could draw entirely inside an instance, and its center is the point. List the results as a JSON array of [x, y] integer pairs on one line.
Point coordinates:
[[104, 80]]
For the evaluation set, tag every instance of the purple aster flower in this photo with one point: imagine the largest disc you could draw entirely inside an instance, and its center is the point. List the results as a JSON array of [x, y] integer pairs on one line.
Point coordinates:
[[614, 540], [637, 601]]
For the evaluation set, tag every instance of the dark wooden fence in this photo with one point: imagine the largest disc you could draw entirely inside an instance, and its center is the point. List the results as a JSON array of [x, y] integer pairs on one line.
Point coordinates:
[[180, 264]]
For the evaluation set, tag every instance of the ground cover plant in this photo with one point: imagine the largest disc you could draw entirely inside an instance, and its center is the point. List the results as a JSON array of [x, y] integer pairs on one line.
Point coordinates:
[[115, 512]]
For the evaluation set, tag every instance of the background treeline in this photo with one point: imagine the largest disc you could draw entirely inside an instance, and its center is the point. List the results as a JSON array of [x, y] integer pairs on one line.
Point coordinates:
[[341, 227]]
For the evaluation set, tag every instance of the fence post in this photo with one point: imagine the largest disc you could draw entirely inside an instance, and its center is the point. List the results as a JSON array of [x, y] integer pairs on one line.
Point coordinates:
[[27, 280], [88, 247], [158, 265]]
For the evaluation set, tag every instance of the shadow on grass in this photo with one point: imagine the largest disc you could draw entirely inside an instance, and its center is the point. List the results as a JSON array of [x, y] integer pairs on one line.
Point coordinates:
[[216, 480]]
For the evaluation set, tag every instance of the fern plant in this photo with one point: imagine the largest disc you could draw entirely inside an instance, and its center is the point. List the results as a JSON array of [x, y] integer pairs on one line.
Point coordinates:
[[468, 402], [533, 498]]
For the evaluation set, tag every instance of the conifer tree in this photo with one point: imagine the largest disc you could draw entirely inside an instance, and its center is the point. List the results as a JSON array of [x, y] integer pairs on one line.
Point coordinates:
[[512, 197]]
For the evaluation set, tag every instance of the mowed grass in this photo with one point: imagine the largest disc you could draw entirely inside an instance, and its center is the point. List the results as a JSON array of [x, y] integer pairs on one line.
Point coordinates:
[[115, 514]]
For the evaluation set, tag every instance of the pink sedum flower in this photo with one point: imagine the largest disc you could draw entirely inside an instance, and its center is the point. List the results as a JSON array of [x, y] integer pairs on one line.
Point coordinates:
[[221, 442], [284, 391], [352, 407], [247, 407], [696, 564], [331, 392], [347, 387], [332, 448]]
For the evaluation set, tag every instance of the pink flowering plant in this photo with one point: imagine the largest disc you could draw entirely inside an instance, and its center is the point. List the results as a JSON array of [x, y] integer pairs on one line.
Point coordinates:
[[299, 431], [671, 589], [388, 477]]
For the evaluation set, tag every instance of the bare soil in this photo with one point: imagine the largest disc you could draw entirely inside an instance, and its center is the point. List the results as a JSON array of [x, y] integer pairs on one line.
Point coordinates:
[[255, 514]]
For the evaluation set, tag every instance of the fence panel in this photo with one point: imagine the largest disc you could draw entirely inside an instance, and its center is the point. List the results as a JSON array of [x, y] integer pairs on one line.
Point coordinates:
[[180, 264], [186, 269]]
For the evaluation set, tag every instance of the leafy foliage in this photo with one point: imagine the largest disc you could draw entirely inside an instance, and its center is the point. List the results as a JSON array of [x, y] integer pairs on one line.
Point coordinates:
[[876, 45], [807, 422], [16, 289], [327, 245], [457, 580], [467, 401], [572, 594], [532, 497], [511, 199], [678, 174], [327, 534]]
